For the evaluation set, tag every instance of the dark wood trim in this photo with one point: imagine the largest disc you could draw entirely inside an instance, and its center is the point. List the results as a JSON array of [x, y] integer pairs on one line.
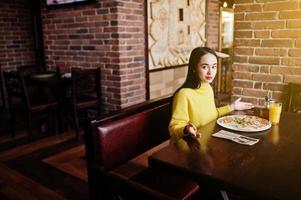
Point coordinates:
[[38, 34], [147, 71], [206, 26], [69, 4]]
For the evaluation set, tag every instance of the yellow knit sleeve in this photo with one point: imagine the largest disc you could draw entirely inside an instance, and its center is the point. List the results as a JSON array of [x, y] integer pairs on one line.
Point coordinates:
[[180, 115], [223, 110]]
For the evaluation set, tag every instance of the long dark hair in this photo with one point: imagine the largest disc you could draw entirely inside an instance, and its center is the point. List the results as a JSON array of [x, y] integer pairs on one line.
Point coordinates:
[[192, 78]]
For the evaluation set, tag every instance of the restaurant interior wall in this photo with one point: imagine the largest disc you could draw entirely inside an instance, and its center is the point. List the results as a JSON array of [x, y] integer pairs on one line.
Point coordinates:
[[267, 48], [16, 34], [166, 81], [106, 34]]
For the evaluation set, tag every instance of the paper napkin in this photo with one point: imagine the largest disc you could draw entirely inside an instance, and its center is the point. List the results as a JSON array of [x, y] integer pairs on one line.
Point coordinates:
[[241, 139]]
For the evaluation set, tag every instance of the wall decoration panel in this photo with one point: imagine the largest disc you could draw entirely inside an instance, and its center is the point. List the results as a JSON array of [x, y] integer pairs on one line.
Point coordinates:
[[175, 27]]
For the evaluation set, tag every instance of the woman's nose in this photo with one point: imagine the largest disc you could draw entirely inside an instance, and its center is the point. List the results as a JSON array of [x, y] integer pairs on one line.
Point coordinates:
[[209, 71]]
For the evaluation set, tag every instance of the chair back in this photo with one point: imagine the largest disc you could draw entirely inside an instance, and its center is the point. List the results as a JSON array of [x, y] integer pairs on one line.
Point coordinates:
[[85, 82], [16, 88], [28, 69], [294, 99], [2, 88]]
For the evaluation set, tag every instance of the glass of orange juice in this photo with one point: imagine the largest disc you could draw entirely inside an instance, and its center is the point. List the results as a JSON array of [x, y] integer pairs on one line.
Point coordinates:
[[274, 134], [275, 112]]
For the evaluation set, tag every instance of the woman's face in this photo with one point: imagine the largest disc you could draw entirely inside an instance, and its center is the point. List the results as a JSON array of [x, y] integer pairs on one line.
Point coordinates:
[[207, 68]]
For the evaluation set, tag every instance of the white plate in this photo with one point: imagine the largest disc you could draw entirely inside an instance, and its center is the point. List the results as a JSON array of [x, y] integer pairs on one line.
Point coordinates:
[[66, 75], [43, 76], [245, 123]]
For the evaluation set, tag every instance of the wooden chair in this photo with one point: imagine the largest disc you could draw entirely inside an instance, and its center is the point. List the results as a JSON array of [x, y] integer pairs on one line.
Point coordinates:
[[294, 97], [2, 88], [20, 100], [85, 92]]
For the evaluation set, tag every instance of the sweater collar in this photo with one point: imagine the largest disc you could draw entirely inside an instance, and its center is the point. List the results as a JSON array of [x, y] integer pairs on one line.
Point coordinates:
[[204, 86]]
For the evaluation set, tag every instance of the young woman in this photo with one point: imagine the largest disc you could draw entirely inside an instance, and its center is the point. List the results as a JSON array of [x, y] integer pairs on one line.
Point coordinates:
[[193, 103]]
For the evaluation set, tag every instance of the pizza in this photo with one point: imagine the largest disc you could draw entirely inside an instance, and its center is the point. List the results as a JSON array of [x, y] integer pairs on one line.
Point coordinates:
[[244, 123]]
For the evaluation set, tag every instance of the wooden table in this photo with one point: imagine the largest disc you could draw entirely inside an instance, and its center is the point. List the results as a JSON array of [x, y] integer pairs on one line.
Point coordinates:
[[270, 169]]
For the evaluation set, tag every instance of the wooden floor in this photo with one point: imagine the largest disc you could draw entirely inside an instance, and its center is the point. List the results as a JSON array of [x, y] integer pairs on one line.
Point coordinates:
[[71, 162], [15, 185]]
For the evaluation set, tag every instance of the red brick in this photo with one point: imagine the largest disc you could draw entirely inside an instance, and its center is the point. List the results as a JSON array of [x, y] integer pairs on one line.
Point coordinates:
[[286, 70], [242, 75], [290, 15], [269, 25], [262, 34], [241, 59], [254, 92], [292, 79], [243, 25], [294, 52], [293, 23], [239, 16], [243, 51], [277, 6], [286, 34], [252, 100], [246, 42], [248, 8], [267, 77], [264, 60], [298, 43], [237, 91], [277, 43], [291, 61], [275, 86], [243, 83], [261, 16], [243, 34], [245, 67], [270, 52], [258, 85], [264, 69]]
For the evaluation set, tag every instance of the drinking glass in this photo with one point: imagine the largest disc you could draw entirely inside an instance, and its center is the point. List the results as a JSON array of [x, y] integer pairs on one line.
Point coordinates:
[[274, 134], [275, 112]]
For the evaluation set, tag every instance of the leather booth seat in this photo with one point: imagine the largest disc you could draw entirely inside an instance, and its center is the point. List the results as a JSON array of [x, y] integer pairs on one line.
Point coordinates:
[[117, 147]]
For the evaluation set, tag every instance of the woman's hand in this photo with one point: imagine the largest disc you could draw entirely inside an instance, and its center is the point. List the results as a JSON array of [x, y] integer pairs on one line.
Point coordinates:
[[190, 130], [239, 105], [191, 137]]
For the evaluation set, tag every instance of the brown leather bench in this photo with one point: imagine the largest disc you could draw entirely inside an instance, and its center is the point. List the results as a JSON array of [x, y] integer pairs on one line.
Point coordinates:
[[117, 147]]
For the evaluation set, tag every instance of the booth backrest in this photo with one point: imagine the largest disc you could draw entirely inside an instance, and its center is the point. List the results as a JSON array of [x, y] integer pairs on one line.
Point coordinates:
[[119, 137]]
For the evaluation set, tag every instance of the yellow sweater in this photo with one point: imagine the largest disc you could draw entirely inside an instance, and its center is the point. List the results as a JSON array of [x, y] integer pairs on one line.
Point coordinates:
[[196, 106]]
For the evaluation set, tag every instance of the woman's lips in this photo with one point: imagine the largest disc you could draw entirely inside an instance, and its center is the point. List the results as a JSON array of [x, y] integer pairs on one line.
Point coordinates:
[[208, 77]]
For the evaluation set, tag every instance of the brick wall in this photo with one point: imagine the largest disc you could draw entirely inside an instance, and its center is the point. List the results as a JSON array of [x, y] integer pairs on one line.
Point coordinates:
[[267, 48], [16, 34], [107, 34], [212, 23]]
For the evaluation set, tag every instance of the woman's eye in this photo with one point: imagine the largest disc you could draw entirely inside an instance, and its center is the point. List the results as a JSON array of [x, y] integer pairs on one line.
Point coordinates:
[[214, 66], [204, 67]]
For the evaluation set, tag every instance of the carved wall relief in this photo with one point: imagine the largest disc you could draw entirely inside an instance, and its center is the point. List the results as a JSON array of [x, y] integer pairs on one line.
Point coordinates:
[[175, 27]]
